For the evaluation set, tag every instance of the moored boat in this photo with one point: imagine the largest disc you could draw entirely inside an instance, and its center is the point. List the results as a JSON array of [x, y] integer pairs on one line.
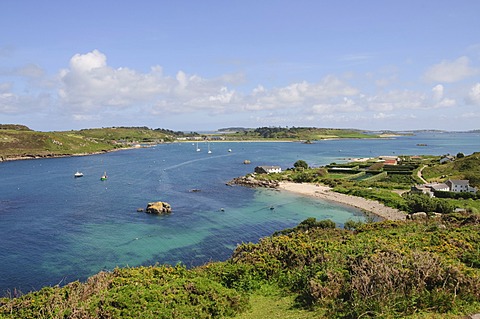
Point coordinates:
[[78, 174], [104, 177]]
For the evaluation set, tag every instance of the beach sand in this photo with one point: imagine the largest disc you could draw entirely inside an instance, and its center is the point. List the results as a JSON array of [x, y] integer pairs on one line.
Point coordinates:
[[325, 192]]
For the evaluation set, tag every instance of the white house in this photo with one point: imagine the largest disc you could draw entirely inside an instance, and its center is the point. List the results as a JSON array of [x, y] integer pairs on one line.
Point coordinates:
[[460, 186], [430, 188], [267, 169], [447, 159]]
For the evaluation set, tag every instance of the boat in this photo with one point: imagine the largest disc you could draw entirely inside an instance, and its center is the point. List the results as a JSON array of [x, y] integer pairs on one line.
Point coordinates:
[[198, 149], [229, 150], [104, 177], [78, 174], [209, 151]]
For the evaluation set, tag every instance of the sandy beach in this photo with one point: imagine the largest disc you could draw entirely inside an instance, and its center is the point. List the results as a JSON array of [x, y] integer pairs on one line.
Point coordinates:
[[324, 192]]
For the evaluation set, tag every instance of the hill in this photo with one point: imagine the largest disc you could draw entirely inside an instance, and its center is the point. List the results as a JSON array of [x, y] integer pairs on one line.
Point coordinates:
[[382, 270], [297, 133], [467, 167], [17, 141], [20, 142]]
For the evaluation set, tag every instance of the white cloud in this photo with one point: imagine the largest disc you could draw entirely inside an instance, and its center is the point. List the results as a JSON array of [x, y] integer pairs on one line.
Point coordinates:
[[89, 90], [445, 102], [437, 91], [88, 62], [474, 95], [301, 94], [11, 103], [451, 71], [5, 87], [30, 71], [382, 116], [8, 103], [91, 84], [438, 99], [346, 105], [396, 99]]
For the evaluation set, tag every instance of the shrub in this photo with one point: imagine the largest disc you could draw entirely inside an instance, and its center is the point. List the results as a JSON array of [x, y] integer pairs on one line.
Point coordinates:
[[300, 164]]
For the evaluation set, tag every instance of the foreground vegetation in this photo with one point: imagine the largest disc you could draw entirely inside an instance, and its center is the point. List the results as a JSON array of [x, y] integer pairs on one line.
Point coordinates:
[[381, 270]]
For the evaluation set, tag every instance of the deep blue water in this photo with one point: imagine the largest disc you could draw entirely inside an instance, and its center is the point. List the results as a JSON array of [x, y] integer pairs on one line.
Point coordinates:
[[56, 229]]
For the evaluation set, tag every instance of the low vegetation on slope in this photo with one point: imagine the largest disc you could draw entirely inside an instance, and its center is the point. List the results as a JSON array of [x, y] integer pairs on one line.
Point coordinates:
[[373, 270], [17, 141], [295, 133], [463, 167]]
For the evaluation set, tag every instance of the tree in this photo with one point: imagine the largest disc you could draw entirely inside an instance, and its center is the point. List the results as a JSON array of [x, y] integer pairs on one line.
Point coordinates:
[[300, 164], [460, 155]]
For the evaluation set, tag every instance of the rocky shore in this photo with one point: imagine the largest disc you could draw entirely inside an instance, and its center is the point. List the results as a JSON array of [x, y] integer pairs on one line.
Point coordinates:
[[251, 181]]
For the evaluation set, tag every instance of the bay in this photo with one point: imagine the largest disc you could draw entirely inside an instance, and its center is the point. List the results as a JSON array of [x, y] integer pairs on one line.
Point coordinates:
[[55, 228]]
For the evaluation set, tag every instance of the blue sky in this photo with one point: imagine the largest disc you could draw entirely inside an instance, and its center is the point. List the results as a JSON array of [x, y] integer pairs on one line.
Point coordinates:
[[203, 65]]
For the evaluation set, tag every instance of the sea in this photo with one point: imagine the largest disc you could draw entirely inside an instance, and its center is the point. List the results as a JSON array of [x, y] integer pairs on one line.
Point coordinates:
[[55, 229]]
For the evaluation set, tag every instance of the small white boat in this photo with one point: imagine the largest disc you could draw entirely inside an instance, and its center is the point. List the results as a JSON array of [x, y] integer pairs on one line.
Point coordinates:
[[78, 174], [104, 177], [198, 149], [209, 151], [229, 150]]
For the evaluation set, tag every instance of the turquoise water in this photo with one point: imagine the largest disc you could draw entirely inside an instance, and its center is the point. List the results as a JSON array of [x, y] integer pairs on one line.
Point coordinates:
[[57, 229]]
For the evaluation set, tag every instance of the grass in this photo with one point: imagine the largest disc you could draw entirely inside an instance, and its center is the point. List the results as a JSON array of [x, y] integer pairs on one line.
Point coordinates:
[[271, 302]]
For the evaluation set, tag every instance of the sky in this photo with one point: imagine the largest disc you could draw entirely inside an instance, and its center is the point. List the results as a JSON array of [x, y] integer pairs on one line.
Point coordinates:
[[204, 65]]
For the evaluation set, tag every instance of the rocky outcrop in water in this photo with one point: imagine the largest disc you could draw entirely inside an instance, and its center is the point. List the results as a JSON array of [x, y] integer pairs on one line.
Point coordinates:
[[158, 208], [251, 181]]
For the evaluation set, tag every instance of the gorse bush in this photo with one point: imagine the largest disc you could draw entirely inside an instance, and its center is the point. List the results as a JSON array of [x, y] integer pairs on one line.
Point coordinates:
[[379, 270], [384, 269], [424, 203], [143, 292]]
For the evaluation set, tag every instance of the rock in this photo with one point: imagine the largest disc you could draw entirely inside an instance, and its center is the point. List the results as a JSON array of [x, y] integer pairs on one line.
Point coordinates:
[[250, 181], [158, 208], [436, 216], [418, 216]]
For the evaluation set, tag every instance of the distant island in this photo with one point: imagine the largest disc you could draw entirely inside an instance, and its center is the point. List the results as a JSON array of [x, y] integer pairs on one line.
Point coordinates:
[[20, 142]]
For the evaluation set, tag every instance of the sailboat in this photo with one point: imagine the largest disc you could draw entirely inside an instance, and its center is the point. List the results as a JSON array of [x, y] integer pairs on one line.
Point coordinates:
[[198, 150], [209, 151], [104, 177]]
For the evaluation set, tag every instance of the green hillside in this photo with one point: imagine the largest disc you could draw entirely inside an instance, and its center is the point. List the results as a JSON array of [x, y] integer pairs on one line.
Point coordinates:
[[298, 133], [374, 270], [18, 141], [467, 167]]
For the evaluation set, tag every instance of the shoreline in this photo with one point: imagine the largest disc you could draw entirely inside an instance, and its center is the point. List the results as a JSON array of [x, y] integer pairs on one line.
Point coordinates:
[[326, 193], [52, 156]]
